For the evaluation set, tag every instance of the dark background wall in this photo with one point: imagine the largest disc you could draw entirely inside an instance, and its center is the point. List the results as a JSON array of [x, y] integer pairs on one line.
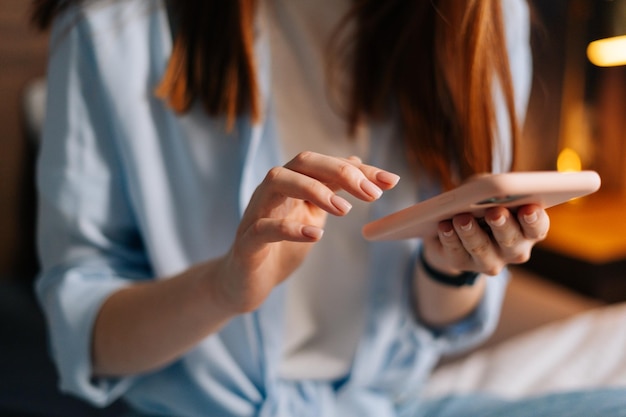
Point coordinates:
[[22, 58]]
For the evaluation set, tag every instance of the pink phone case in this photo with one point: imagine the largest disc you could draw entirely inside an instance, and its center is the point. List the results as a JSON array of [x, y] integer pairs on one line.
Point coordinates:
[[545, 188]]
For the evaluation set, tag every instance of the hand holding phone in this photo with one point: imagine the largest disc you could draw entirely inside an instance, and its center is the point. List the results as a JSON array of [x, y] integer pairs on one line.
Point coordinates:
[[515, 189]]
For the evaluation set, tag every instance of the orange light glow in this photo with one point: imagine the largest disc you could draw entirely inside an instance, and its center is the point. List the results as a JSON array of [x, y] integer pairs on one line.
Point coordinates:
[[568, 160], [609, 52]]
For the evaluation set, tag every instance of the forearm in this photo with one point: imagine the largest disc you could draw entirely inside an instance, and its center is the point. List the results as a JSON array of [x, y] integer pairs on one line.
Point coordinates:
[[148, 325], [437, 304]]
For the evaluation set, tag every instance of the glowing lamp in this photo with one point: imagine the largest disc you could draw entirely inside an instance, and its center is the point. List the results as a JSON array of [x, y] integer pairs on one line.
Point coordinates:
[[608, 49]]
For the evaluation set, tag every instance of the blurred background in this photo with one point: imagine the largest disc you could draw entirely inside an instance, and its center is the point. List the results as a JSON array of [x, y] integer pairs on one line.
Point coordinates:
[[575, 121], [22, 59], [27, 377]]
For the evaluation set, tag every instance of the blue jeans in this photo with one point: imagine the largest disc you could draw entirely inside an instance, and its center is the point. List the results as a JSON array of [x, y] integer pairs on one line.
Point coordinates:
[[610, 402], [606, 402]]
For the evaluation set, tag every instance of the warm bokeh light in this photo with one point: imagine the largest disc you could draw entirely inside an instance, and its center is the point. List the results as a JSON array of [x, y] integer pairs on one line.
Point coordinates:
[[609, 52], [568, 160]]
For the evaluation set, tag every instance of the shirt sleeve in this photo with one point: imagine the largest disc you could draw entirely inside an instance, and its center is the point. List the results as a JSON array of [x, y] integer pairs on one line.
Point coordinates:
[[88, 241], [477, 326]]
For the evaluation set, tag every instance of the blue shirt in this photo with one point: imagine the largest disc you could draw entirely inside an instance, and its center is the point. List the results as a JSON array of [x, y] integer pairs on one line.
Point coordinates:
[[130, 191]]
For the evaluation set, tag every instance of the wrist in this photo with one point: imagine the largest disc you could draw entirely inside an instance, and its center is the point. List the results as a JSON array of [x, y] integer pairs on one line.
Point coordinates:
[[214, 284], [460, 279], [236, 289]]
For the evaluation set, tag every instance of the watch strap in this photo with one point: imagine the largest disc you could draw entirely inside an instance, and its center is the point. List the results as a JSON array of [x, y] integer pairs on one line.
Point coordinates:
[[460, 280]]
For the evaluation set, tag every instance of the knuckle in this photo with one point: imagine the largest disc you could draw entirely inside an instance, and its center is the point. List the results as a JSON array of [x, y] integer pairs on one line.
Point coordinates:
[[494, 269], [257, 227], [348, 171], [273, 173], [316, 188], [260, 226], [520, 258], [283, 228], [481, 249], [509, 242], [458, 252], [303, 157], [268, 230]]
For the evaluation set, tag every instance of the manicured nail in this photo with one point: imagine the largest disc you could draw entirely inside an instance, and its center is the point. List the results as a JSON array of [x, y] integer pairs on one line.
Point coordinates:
[[499, 221], [467, 227], [387, 177], [530, 218], [446, 233], [313, 232], [371, 189], [340, 204]]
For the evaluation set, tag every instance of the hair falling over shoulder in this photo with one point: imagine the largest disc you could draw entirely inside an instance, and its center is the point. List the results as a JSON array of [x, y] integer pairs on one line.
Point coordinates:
[[432, 63], [213, 58]]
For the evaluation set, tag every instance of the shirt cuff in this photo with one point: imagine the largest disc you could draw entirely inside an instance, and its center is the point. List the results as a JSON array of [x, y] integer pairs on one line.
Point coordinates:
[[71, 300], [475, 327]]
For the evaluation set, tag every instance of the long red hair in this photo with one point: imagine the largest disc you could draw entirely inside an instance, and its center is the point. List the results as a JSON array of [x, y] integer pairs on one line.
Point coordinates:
[[432, 63]]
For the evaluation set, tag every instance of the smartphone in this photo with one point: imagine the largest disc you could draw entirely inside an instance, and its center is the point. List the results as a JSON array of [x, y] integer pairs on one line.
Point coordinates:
[[515, 189]]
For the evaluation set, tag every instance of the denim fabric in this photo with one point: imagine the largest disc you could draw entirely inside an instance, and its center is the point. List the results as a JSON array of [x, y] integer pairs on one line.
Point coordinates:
[[605, 402]]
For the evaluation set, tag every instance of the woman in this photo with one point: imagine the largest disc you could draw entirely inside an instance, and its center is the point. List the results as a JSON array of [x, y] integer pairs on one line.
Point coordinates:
[[190, 160]]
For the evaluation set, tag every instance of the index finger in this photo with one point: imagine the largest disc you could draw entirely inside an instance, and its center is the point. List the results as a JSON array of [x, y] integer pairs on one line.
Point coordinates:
[[360, 180], [384, 179]]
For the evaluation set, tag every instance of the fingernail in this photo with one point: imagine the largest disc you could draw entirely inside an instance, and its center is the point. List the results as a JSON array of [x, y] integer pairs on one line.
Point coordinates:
[[467, 227], [371, 189], [340, 204], [530, 218], [499, 221], [447, 233], [313, 232], [387, 177]]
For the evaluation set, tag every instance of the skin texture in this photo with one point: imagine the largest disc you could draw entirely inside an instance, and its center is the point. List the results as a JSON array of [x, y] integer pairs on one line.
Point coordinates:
[[148, 325]]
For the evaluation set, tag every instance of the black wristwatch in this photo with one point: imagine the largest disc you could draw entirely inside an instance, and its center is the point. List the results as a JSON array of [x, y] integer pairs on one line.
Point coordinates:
[[460, 280]]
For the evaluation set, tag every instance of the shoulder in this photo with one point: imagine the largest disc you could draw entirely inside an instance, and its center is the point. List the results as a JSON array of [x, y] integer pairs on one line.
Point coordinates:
[[121, 42], [102, 13], [115, 24]]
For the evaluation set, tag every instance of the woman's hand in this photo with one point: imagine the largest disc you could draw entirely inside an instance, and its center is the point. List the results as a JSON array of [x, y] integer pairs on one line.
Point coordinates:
[[463, 245], [286, 215], [147, 325]]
